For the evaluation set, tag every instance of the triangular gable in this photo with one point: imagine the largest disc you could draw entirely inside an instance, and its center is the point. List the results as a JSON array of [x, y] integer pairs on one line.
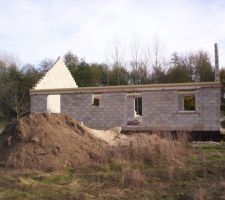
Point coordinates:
[[58, 77]]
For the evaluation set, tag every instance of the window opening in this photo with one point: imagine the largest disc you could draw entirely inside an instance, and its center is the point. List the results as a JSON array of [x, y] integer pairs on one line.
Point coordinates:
[[187, 101], [138, 106], [96, 99]]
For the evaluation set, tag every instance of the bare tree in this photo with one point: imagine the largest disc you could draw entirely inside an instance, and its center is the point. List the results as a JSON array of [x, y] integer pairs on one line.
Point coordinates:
[[15, 100], [117, 57], [138, 64], [71, 60], [14, 89], [45, 64], [157, 60], [8, 60]]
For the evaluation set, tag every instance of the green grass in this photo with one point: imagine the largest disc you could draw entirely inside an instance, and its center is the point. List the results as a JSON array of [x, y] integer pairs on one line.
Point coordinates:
[[53, 179], [37, 185], [205, 169], [212, 147]]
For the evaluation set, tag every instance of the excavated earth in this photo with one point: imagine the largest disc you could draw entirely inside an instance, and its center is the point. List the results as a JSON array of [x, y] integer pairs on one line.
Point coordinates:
[[49, 142]]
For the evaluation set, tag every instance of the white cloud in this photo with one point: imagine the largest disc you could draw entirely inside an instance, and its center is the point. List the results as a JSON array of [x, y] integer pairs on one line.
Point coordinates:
[[34, 30]]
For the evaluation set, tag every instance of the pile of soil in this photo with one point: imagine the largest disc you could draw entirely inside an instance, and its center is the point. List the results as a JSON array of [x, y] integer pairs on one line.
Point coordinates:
[[49, 142]]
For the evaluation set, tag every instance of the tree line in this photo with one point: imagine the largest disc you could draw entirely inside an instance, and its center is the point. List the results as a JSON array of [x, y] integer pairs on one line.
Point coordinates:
[[16, 80], [189, 68]]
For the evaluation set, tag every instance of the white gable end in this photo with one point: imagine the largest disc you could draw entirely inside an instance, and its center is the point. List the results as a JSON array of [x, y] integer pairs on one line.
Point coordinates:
[[57, 77]]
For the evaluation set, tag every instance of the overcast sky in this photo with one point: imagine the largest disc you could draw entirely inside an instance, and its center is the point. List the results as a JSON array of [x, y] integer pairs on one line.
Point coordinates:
[[37, 29]]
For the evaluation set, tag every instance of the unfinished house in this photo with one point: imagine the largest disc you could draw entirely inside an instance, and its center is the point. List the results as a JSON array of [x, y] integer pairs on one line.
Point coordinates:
[[165, 107]]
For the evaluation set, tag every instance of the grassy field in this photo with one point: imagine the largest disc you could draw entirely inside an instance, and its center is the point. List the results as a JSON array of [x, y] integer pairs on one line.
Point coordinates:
[[201, 176]]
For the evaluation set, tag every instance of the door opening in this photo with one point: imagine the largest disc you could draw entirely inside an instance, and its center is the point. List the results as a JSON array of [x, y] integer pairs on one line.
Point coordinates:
[[138, 106], [53, 103]]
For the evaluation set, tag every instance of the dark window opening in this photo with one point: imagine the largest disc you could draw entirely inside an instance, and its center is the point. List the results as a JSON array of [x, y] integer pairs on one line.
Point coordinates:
[[96, 99], [138, 106], [96, 102], [189, 103]]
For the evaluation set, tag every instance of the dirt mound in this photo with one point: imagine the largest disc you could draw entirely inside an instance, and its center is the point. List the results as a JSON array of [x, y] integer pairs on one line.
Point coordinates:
[[49, 142]]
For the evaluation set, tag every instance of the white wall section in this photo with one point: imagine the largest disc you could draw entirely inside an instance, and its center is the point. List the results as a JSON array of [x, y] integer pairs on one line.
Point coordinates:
[[53, 103], [57, 77]]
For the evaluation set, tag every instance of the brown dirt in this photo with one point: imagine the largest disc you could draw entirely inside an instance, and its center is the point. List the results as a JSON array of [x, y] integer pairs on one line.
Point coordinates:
[[49, 142]]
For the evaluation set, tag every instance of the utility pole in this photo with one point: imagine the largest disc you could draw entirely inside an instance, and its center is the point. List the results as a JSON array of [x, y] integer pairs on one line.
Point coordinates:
[[217, 75]]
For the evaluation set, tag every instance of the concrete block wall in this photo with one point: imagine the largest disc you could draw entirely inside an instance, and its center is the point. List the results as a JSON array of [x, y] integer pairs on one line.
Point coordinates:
[[210, 108], [38, 103], [111, 112], [130, 107], [160, 109]]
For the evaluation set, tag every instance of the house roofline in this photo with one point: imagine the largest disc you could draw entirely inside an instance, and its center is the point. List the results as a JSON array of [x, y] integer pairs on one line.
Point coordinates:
[[129, 88]]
